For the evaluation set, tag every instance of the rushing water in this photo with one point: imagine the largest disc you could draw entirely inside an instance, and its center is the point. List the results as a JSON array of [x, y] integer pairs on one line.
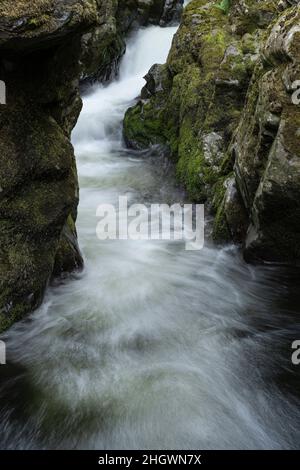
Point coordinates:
[[152, 346]]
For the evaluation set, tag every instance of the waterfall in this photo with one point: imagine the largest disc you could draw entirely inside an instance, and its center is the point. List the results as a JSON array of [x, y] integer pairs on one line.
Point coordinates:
[[152, 346]]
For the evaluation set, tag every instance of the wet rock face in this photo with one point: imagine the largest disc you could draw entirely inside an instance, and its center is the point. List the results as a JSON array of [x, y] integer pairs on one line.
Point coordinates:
[[40, 44], [142, 12], [33, 25], [222, 107], [198, 105], [267, 147], [104, 45], [172, 12]]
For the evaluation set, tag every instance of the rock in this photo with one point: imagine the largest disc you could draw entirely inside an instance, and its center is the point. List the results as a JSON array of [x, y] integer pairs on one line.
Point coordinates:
[[154, 81], [36, 25], [172, 12], [102, 49], [231, 220], [201, 94], [267, 148], [142, 12], [40, 45], [142, 123], [67, 257], [222, 106], [104, 45]]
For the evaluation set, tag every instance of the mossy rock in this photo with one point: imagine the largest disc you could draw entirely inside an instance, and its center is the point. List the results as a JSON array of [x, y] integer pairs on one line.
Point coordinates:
[[68, 257], [218, 65], [209, 70], [38, 178]]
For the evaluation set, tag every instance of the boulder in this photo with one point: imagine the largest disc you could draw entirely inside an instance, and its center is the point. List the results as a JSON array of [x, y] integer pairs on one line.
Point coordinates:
[[222, 107], [267, 148], [40, 45]]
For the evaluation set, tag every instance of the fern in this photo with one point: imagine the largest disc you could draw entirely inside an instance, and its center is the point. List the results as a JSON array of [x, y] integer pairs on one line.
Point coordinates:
[[224, 6]]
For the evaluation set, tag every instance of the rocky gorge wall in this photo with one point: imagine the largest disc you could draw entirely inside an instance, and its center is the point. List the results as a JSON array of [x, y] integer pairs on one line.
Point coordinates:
[[222, 108], [104, 45], [44, 52]]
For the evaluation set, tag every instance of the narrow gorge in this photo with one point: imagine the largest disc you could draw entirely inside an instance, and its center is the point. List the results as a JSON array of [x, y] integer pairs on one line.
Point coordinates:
[[124, 344]]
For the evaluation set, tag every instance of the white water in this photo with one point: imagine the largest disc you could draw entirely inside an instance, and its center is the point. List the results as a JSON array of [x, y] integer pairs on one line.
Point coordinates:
[[152, 346]]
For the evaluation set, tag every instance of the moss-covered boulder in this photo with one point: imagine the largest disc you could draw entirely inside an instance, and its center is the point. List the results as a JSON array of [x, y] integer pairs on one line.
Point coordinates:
[[40, 44], [267, 147], [198, 103], [33, 25], [221, 106]]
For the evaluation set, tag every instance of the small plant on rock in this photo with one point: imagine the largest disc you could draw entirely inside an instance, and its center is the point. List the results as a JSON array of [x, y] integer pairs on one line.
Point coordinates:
[[224, 6]]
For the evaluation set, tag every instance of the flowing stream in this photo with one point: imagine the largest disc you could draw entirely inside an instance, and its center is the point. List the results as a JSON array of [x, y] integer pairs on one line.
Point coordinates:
[[152, 346]]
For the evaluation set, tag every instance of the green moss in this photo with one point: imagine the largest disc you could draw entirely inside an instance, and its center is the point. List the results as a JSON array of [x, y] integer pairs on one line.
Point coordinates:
[[38, 21], [26, 265], [213, 48], [39, 188], [249, 44], [190, 163], [224, 6], [142, 127], [20, 8], [13, 312], [211, 63], [219, 193], [210, 74], [221, 233]]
